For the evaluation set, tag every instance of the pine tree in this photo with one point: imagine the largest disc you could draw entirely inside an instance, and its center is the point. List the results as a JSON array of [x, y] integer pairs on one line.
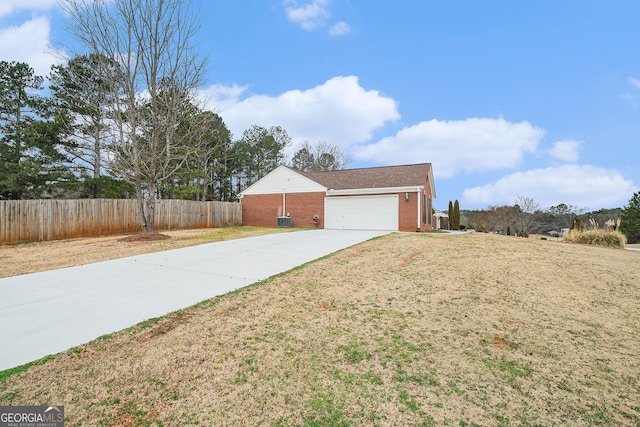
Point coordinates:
[[450, 213], [32, 155], [630, 219], [456, 215]]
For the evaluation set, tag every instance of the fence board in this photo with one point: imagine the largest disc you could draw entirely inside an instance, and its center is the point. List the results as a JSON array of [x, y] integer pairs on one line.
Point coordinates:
[[52, 219]]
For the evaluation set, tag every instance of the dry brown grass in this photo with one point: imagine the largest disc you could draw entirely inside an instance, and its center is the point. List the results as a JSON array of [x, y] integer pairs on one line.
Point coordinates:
[[607, 238], [40, 256], [404, 330]]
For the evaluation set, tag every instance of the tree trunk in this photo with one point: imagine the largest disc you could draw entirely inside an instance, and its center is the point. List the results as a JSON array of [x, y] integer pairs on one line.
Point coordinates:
[[150, 203], [141, 202]]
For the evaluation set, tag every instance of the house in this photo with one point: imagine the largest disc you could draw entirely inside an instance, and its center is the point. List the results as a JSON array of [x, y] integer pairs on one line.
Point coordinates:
[[440, 221], [379, 198]]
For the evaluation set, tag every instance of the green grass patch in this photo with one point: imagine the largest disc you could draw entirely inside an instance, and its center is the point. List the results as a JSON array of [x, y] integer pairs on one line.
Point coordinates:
[[324, 411], [7, 373], [354, 353], [509, 367], [408, 401]]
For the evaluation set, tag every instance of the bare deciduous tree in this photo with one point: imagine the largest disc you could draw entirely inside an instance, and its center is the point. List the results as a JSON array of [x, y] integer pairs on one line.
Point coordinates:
[[152, 42], [319, 156], [528, 214]]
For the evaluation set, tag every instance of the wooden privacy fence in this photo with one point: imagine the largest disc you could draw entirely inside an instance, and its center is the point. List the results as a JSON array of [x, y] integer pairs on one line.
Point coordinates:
[[31, 220]]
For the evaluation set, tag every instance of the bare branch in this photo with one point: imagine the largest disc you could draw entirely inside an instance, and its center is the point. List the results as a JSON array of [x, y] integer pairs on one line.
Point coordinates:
[[159, 74]]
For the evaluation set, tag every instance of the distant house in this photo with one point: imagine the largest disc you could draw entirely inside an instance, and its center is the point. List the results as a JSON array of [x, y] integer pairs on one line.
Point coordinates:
[[380, 198], [440, 221]]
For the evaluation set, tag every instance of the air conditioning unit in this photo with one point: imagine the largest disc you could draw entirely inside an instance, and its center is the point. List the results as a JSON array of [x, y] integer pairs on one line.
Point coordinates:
[[284, 221]]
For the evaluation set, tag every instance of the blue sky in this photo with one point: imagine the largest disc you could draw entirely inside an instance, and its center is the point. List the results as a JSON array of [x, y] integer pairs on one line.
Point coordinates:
[[537, 99]]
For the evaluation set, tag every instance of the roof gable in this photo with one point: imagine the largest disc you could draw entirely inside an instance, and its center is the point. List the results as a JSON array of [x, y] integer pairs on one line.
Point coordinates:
[[283, 180]]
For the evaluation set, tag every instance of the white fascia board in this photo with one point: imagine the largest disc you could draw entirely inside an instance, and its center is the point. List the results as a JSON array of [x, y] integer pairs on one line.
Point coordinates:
[[432, 184], [381, 190], [283, 180]]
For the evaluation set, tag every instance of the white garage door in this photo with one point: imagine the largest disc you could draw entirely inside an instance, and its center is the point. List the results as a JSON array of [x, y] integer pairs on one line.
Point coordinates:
[[361, 212]]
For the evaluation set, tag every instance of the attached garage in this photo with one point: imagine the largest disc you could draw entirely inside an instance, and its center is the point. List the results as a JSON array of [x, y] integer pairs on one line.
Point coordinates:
[[381, 198], [361, 212]]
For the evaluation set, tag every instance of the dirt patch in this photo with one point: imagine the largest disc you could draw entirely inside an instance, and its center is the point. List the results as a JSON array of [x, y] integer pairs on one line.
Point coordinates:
[[409, 329], [161, 326], [499, 341], [145, 237]]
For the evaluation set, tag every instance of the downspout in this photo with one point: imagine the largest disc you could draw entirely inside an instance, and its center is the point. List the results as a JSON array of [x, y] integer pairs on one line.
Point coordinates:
[[284, 202], [419, 210]]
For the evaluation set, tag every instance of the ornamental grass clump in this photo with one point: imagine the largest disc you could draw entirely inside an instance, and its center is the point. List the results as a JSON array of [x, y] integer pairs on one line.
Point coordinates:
[[609, 237]]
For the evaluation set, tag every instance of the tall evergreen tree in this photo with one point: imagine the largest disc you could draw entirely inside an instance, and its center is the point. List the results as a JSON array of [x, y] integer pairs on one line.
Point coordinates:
[[213, 158], [450, 214], [257, 153], [630, 219], [456, 216], [32, 155], [84, 90], [303, 159], [204, 174]]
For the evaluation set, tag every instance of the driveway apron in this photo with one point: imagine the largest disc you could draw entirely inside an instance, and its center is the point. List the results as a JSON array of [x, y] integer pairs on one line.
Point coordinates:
[[49, 312]]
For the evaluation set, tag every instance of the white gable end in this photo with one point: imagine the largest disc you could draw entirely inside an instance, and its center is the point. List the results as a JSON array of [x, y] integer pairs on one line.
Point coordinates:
[[283, 180]]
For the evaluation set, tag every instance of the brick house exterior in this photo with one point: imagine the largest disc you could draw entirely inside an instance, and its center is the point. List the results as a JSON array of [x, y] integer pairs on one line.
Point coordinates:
[[391, 197], [261, 210]]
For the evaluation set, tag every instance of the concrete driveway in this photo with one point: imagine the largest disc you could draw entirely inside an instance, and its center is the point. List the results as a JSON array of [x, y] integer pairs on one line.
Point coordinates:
[[49, 312]]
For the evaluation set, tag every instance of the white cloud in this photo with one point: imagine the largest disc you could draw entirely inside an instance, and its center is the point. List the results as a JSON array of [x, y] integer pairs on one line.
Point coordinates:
[[634, 82], [8, 7], [223, 95], [566, 150], [628, 96], [340, 29], [338, 111], [581, 185], [310, 15], [453, 147], [29, 42]]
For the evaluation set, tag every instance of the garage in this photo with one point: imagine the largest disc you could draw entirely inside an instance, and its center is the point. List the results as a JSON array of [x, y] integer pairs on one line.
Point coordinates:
[[361, 212], [377, 198]]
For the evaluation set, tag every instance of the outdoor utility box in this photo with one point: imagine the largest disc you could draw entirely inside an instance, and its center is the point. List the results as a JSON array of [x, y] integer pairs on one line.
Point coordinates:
[[284, 221]]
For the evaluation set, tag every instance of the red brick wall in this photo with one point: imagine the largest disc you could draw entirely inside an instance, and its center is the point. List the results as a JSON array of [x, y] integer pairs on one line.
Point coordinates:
[[407, 220], [408, 209], [264, 209]]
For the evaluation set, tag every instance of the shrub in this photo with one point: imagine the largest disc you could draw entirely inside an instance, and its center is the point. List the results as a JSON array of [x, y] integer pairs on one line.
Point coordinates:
[[608, 238], [630, 220], [577, 225]]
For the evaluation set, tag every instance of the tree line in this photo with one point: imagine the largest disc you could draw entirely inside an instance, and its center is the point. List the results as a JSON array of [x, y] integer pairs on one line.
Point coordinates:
[[65, 144], [526, 217], [123, 118]]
